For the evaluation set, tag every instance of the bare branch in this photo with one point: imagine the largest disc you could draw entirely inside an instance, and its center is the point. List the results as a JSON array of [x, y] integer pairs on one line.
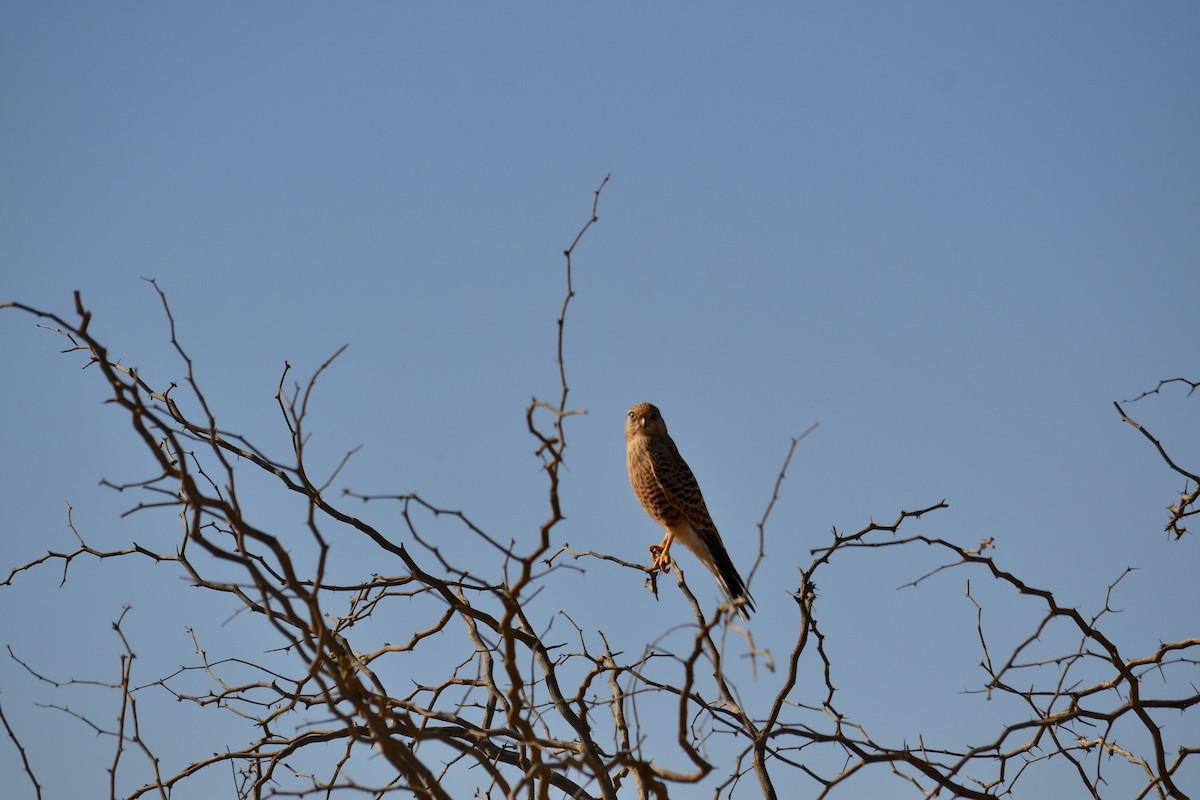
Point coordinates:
[[1187, 505], [12, 736]]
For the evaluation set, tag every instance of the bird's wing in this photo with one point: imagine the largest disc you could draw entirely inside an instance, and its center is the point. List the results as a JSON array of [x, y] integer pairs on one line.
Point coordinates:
[[678, 484], [681, 490]]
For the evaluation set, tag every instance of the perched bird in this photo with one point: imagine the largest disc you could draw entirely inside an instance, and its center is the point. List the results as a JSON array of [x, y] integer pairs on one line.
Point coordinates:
[[665, 486]]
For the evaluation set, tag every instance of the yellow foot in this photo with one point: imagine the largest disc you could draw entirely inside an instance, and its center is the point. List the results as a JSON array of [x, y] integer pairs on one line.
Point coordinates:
[[662, 558]]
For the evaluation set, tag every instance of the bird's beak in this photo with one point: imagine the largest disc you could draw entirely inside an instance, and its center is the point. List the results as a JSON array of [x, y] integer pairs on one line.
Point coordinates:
[[642, 421]]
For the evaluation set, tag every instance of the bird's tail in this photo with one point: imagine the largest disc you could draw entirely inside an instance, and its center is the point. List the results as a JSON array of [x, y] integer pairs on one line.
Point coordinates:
[[732, 584], [706, 544]]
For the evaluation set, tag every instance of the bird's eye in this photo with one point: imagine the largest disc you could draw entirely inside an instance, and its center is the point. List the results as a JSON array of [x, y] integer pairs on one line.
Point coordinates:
[[631, 415]]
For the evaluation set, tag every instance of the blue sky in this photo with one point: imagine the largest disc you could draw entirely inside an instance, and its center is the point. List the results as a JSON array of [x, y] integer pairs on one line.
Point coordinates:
[[952, 233]]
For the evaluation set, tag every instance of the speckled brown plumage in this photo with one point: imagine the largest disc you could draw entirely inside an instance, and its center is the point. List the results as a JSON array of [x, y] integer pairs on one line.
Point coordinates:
[[665, 486]]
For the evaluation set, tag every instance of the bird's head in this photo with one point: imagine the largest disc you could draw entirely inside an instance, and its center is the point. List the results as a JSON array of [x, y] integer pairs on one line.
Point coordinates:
[[644, 419]]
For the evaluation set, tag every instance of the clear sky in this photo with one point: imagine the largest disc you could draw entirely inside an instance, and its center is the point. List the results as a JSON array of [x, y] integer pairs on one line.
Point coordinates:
[[952, 233]]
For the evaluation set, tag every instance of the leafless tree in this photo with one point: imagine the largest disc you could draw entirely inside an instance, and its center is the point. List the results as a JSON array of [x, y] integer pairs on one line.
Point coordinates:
[[529, 707]]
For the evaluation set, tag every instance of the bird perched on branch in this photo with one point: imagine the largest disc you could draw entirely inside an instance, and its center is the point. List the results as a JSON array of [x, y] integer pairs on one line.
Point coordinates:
[[665, 486]]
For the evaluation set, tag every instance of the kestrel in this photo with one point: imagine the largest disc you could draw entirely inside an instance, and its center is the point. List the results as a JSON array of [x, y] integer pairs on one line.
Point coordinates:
[[665, 486]]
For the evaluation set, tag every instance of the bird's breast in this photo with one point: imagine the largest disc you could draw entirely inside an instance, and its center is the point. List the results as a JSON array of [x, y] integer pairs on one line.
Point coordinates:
[[646, 486]]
